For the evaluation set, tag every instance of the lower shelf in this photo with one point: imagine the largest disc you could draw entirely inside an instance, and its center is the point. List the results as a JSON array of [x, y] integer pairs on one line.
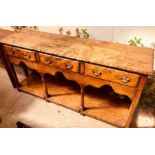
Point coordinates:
[[100, 105]]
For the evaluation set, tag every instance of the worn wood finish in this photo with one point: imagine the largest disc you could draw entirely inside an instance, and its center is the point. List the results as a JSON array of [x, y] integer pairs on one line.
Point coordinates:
[[59, 62], [79, 78], [113, 75], [124, 57], [5, 33], [20, 53]]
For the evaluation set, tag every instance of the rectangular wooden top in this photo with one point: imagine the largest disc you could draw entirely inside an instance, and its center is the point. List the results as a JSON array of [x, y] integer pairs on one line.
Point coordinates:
[[115, 55]]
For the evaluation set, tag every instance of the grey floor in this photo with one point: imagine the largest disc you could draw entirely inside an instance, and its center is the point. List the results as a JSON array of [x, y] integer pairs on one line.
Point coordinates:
[[17, 106]]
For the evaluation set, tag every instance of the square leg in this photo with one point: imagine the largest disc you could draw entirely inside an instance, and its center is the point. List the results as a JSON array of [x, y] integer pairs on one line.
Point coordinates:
[[46, 95], [135, 100]]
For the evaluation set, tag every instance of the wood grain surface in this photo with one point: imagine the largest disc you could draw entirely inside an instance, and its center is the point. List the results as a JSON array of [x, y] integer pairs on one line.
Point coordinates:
[[66, 64], [124, 57], [4, 33], [20, 53], [113, 75]]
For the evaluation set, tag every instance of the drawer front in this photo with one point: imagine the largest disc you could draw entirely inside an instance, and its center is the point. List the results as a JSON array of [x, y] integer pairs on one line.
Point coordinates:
[[61, 63], [20, 53], [112, 75]]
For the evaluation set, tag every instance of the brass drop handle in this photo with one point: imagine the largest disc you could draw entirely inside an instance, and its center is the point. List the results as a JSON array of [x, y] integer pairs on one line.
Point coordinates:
[[124, 79], [97, 72], [48, 61], [69, 66], [27, 56]]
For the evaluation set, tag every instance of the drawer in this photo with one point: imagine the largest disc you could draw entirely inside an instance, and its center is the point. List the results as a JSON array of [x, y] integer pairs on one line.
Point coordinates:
[[61, 63], [112, 75], [20, 53]]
